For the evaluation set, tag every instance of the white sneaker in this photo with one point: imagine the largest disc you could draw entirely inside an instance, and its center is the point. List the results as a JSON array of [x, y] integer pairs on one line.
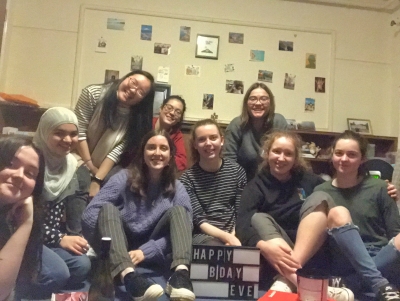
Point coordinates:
[[281, 284], [340, 294]]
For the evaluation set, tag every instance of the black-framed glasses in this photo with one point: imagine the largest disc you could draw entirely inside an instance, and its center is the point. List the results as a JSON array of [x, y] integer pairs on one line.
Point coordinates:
[[134, 85], [262, 99], [168, 109]]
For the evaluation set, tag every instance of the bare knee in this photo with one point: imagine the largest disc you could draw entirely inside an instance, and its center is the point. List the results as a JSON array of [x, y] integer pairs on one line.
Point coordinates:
[[338, 216], [396, 241]]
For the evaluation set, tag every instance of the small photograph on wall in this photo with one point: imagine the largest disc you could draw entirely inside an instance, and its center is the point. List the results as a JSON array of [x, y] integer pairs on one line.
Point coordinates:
[[236, 38], [163, 74], [146, 32], [184, 34], [101, 45], [208, 101], [257, 55], [290, 81], [234, 86], [161, 48], [229, 67], [111, 75], [311, 60], [265, 76], [309, 105], [285, 46], [115, 24], [192, 70], [362, 126], [320, 84], [136, 62]]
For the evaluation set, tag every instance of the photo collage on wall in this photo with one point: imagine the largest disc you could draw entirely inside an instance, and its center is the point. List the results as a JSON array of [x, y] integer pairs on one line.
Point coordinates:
[[207, 47]]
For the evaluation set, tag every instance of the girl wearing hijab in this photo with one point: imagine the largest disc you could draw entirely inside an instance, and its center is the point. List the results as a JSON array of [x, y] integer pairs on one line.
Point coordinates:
[[56, 135]]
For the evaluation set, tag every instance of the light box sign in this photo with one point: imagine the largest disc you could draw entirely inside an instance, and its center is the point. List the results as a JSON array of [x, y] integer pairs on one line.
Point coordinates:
[[225, 272]]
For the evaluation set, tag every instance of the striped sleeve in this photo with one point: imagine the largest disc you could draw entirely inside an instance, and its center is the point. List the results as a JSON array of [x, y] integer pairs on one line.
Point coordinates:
[[85, 107], [117, 151]]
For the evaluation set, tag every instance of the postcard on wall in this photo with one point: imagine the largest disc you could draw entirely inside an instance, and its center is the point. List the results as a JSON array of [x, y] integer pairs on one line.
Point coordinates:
[[111, 75], [208, 101], [285, 46], [234, 86], [290, 81], [101, 45], [115, 24], [146, 32], [161, 48], [192, 70], [320, 84], [257, 55], [265, 76], [163, 74], [311, 60], [236, 38], [184, 34], [229, 67], [136, 62], [309, 104]]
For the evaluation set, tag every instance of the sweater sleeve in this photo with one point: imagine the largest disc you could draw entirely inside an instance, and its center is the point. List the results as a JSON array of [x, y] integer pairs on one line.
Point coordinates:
[[117, 151], [390, 214], [180, 156], [199, 216], [249, 203], [85, 107], [232, 139], [110, 193], [280, 122], [241, 183]]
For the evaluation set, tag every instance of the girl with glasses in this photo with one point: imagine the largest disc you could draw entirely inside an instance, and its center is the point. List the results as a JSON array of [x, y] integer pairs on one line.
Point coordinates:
[[172, 112], [243, 135], [113, 118]]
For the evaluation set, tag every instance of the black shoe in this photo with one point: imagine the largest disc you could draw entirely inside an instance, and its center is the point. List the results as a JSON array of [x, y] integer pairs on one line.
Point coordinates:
[[179, 286], [142, 289], [388, 293]]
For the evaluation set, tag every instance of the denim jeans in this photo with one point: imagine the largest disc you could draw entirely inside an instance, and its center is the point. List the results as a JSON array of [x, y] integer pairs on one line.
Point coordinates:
[[60, 271]]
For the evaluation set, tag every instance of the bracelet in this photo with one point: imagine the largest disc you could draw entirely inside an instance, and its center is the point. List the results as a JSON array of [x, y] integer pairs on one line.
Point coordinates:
[[97, 180], [61, 237]]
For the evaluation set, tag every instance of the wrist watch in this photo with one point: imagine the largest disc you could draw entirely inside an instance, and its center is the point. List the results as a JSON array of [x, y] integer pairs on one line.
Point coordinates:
[[97, 180]]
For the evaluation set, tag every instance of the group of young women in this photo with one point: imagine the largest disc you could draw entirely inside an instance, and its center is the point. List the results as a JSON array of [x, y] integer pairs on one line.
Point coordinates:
[[348, 226]]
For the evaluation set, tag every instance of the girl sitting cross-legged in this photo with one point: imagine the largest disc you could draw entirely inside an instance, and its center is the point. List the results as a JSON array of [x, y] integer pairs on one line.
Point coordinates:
[[146, 212], [214, 185]]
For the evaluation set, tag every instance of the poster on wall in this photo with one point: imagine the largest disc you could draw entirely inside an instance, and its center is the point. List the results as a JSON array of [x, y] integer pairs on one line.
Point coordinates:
[[111, 75], [309, 105], [311, 60], [257, 55], [285, 46], [192, 70], [101, 45], [146, 32], [234, 86], [236, 38], [184, 34], [320, 84], [208, 101], [290, 81], [207, 46], [136, 62], [163, 74], [115, 24], [265, 76]]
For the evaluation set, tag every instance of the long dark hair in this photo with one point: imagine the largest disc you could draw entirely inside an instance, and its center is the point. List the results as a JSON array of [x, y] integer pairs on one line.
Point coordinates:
[[179, 98], [362, 145], [31, 262], [139, 173], [269, 118], [194, 152], [140, 116]]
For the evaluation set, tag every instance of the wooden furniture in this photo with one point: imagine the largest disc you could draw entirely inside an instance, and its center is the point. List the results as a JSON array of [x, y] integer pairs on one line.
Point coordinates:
[[324, 140], [23, 117]]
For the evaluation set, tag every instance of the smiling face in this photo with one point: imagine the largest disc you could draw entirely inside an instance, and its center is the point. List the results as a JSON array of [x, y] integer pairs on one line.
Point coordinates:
[[281, 158], [133, 89], [208, 142], [157, 154], [347, 158], [258, 103], [18, 180], [171, 113], [63, 139]]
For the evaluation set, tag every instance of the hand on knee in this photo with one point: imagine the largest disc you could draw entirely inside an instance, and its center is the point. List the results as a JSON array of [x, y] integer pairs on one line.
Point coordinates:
[[338, 217]]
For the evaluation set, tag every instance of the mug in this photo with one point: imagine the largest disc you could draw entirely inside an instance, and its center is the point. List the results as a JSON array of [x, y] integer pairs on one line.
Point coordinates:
[[312, 285]]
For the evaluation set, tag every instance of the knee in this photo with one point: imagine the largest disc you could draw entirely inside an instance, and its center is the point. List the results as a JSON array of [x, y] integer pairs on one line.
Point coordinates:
[[108, 207], [396, 242], [82, 268], [58, 276], [261, 218], [338, 216], [178, 210]]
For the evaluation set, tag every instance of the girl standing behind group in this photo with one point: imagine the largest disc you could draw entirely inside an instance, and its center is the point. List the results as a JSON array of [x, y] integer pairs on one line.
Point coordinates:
[[214, 185], [21, 183], [244, 133], [113, 118], [145, 211]]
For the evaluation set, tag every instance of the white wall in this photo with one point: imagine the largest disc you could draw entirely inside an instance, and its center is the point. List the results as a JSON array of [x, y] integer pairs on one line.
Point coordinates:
[[40, 49]]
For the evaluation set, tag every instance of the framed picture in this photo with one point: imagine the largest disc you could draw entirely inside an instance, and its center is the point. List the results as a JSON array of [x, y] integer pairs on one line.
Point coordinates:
[[361, 126], [162, 91], [207, 46]]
